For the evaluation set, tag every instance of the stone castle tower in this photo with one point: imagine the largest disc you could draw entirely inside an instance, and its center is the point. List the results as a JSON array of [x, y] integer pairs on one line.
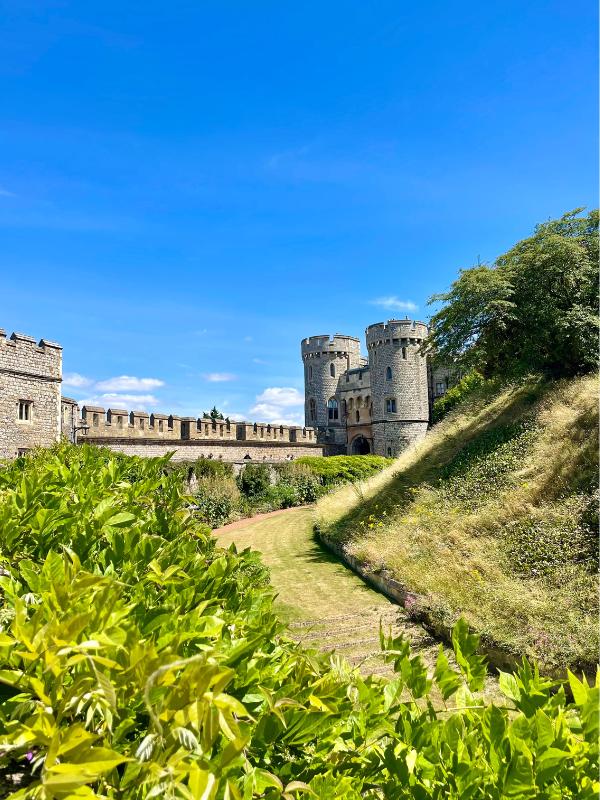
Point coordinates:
[[376, 405]]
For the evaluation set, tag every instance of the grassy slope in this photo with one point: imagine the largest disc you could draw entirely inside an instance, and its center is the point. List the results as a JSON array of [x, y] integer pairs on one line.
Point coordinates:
[[451, 540]]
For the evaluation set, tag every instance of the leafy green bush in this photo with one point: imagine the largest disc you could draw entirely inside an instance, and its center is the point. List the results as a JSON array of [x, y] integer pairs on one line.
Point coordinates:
[[138, 660], [344, 469], [466, 386], [254, 479], [217, 498], [210, 466]]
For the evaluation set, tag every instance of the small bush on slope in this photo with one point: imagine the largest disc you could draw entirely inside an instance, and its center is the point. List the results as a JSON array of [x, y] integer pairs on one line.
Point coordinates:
[[137, 660], [490, 518]]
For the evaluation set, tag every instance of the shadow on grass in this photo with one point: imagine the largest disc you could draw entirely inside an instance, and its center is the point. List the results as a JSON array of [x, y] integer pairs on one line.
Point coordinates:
[[397, 495]]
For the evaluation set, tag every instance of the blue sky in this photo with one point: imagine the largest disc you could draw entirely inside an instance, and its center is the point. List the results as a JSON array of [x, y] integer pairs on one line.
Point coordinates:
[[189, 188]]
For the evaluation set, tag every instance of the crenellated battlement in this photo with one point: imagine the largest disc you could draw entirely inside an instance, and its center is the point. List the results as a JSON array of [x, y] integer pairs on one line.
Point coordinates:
[[339, 344], [114, 423], [28, 356], [404, 330]]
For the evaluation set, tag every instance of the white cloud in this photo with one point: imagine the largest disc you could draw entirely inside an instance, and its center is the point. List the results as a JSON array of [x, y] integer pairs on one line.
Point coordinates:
[[248, 339], [277, 405], [6, 193], [259, 361], [76, 380], [117, 400], [281, 396], [219, 377], [393, 303], [129, 383]]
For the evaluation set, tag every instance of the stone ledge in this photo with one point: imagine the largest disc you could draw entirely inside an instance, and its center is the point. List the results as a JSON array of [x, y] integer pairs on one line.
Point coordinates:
[[243, 443]]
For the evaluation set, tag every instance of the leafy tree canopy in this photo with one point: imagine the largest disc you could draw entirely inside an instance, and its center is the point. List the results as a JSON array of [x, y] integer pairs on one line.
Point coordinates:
[[534, 310], [214, 413]]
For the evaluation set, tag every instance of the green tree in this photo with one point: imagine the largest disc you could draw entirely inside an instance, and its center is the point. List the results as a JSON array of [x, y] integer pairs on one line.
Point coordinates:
[[534, 309], [213, 414]]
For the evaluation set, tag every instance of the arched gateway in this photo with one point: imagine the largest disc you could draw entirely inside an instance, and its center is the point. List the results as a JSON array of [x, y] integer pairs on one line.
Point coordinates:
[[361, 446]]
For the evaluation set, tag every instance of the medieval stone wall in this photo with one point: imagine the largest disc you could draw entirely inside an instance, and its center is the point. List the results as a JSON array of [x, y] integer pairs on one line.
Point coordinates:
[[30, 407], [249, 452]]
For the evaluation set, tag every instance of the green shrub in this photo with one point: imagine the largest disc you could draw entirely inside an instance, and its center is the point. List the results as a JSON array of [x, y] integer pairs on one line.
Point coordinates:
[[138, 660], [218, 498], [333, 470], [210, 466], [467, 385], [254, 479]]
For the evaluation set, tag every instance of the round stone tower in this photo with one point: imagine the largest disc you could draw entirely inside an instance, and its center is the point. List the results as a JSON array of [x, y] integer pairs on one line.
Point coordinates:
[[399, 385], [326, 359]]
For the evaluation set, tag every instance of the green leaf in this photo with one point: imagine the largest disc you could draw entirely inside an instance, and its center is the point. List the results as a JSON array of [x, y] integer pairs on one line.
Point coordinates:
[[448, 680], [509, 686], [465, 647]]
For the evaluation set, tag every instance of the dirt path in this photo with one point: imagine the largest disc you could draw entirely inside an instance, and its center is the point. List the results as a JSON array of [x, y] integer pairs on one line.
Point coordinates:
[[328, 606]]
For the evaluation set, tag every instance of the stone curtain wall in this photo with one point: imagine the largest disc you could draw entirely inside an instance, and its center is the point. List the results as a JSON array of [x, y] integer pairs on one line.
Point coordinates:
[[396, 345], [250, 452], [31, 372]]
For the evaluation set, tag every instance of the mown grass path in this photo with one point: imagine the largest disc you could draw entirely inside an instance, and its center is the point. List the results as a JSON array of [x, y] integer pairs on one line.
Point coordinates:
[[327, 605]]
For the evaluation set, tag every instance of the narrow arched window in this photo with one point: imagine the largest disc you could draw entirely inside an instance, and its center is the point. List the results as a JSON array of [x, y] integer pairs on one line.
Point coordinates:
[[358, 416], [312, 409], [333, 409], [388, 373], [404, 353], [310, 373], [332, 370]]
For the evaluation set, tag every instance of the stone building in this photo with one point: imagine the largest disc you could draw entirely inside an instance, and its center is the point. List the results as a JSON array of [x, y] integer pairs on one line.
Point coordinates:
[[378, 404], [30, 402], [33, 414]]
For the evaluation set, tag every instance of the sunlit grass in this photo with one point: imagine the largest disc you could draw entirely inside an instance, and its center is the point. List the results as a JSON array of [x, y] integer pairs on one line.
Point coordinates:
[[453, 551]]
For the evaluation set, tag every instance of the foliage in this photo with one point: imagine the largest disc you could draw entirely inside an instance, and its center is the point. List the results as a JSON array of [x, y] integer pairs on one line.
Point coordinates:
[[254, 479], [341, 469], [469, 383], [493, 517], [140, 661], [534, 310], [217, 498], [212, 466], [213, 414]]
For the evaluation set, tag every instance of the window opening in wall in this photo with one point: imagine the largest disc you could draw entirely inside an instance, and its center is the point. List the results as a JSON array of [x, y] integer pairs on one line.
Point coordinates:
[[119, 422], [389, 451], [142, 425], [350, 404], [440, 388], [310, 373], [404, 353], [160, 424], [390, 405], [312, 409], [25, 410], [358, 416], [333, 409], [332, 370], [388, 373], [95, 420]]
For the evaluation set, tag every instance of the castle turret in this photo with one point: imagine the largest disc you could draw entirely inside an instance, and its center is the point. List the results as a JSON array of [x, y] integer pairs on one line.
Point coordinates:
[[399, 384], [325, 360]]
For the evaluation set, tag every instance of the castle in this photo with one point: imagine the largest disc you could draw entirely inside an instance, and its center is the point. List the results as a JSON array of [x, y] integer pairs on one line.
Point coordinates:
[[379, 404], [352, 404]]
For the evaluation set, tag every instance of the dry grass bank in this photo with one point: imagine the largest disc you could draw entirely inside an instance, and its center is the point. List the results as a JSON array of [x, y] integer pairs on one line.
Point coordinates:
[[492, 517]]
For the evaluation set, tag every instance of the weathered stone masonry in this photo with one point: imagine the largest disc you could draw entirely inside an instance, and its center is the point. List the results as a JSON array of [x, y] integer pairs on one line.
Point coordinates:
[[33, 414], [377, 405], [30, 401]]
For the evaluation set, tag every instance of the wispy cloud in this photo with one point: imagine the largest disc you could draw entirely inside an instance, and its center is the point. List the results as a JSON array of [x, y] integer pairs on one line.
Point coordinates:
[[259, 361], [219, 377], [76, 380], [393, 303], [6, 193], [129, 383]]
